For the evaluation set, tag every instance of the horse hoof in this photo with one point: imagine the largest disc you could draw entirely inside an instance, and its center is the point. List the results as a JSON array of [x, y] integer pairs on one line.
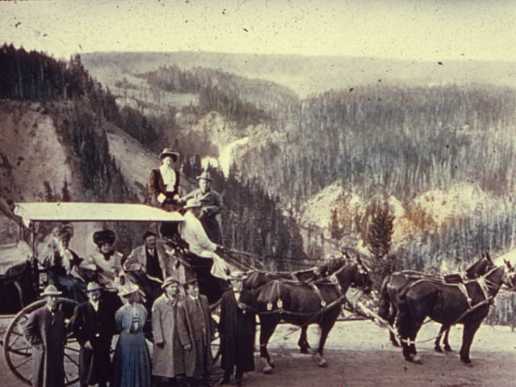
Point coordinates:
[[322, 363], [438, 349], [267, 369], [448, 349], [466, 361], [304, 351]]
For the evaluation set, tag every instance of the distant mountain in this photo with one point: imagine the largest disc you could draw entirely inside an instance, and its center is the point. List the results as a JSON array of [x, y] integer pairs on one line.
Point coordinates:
[[306, 74]]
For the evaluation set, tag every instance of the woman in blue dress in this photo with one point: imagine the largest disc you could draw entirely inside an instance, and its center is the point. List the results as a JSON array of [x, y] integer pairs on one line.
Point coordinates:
[[132, 362]]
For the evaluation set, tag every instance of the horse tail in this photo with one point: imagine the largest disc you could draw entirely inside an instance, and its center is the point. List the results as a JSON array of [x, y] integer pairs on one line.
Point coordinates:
[[385, 301]]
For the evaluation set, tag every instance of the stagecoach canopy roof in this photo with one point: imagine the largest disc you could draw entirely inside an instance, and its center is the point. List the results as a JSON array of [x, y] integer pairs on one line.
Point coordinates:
[[93, 212]]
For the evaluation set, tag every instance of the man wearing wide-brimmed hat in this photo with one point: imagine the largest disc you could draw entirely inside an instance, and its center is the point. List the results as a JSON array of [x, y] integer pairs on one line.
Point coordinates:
[[164, 181], [93, 324], [105, 261], [167, 359], [46, 330], [193, 233], [211, 205]]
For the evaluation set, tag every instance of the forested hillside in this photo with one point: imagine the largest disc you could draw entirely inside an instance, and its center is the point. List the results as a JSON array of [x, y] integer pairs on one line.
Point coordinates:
[[70, 114]]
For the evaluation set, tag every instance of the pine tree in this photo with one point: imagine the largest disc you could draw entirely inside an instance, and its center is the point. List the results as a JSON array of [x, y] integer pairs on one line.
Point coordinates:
[[379, 239]]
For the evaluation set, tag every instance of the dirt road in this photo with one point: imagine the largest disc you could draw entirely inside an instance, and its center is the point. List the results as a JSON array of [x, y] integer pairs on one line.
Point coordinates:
[[359, 355]]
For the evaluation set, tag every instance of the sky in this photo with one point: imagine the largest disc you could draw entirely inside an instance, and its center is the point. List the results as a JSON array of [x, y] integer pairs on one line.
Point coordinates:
[[416, 30]]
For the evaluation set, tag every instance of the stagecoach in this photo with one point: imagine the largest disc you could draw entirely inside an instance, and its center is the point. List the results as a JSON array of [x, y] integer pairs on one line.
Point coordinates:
[[23, 273]]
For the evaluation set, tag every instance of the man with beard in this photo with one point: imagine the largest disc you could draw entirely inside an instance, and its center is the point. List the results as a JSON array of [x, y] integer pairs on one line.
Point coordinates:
[[93, 324], [148, 265], [211, 205], [45, 330]]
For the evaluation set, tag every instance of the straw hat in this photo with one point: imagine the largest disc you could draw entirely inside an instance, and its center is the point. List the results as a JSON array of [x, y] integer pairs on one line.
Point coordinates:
[[129, 289], [51, 290], [169, 281], [92, 287], [236, 276]]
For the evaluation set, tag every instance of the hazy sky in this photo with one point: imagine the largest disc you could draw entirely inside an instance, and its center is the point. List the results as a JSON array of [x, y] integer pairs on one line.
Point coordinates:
[[421, 30]]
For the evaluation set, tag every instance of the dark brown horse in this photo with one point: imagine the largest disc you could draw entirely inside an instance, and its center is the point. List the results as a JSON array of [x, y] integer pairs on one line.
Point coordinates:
[[256, 279], [395, 284], [447, 304], [303, 304]]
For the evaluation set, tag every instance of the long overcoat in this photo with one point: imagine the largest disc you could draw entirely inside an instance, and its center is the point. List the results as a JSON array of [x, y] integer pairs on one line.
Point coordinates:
[[97, 327], [237, 329], [46, 332], [198, 360], [167, 360]]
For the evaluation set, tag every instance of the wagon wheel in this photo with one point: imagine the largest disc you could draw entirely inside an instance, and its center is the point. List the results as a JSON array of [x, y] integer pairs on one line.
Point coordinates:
[[18, 352], [215, 341]]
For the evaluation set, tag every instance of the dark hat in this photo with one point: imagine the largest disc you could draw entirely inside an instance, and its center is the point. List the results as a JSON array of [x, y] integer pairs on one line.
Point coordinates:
[[147, 234], [104, 236], [169, 152], [205, 175], [169, 281], [192, 281]]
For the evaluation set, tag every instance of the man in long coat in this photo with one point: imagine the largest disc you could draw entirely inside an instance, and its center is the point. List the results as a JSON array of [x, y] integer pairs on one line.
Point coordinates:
[[45, 330], [194, 330], [167, 359], [93, 324], [237, 329], [211, 205]]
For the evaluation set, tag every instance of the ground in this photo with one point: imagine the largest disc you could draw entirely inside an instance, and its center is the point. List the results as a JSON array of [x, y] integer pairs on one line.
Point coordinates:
[[359, 354]]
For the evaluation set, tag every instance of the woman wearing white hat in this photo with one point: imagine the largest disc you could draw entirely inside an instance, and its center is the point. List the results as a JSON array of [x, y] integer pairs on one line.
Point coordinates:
[[132, 362]]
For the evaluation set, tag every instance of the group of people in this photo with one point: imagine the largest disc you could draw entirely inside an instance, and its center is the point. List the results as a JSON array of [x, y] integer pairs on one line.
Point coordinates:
[[151, 279], [182, 331]]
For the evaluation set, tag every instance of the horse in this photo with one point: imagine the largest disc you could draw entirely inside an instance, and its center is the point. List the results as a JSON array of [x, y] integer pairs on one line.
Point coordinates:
[[256, 279], [396, 283], [302, 304], [449, 305]]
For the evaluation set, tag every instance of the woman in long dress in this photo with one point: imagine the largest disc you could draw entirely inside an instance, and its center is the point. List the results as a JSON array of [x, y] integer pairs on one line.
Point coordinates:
[[132, 362]]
